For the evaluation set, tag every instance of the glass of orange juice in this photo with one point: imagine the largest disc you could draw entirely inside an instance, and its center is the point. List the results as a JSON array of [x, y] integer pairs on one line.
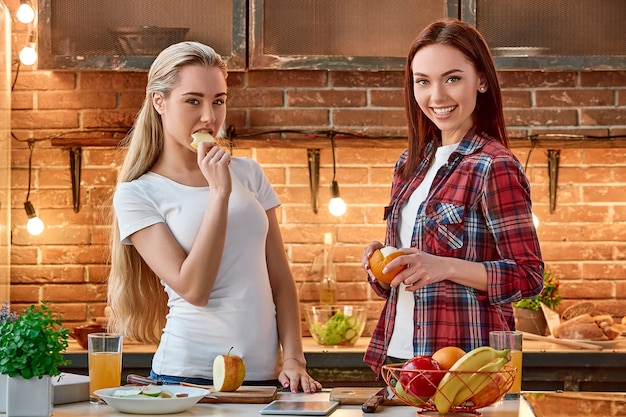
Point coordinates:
[[510, 340], [105, 362]]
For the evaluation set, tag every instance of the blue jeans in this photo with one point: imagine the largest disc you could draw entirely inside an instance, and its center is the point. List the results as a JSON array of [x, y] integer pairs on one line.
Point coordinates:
[[175, 380]]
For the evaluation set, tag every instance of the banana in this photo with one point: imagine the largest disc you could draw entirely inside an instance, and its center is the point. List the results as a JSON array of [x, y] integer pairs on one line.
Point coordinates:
[[452, 382], [476, 382]]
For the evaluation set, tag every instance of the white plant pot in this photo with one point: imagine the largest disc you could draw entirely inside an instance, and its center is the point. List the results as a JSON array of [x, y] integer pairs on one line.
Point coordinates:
[[29, 397], [4, 380]]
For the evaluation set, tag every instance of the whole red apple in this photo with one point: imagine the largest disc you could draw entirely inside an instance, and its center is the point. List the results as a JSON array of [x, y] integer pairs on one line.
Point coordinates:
[[422, 384]]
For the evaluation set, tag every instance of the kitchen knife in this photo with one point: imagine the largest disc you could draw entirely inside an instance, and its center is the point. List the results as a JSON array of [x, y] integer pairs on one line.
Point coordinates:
[[135, 379], [372, 403]]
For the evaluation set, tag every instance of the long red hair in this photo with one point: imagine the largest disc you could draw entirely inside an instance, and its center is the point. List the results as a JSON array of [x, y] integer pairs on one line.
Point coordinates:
[[488, 115]]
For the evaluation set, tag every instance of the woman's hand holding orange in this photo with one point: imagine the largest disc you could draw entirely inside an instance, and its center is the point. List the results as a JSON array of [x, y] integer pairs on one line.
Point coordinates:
[[421, 269]]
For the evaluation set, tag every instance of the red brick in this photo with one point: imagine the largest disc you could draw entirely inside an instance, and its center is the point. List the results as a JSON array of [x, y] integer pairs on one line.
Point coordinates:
[[605, 270], [603, 78], [345, 117], [393, 79], [574, 98], [49, 100], [47, 119], [112, 80], [257, 97], [597, 289], [537, 79], [283, 118], [21, 100], [606, 116], [387, 98], [74, 292], [613, 194], [326, 98], [283, 79], [536, 117], [45, 80], [512, 98], [93, 119]]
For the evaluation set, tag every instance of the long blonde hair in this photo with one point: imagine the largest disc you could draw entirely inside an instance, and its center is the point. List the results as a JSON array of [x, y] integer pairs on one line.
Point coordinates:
[[135, 294]]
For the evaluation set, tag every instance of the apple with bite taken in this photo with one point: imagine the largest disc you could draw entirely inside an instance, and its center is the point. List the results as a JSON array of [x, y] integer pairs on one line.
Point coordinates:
[[201, 137], [229, 371]]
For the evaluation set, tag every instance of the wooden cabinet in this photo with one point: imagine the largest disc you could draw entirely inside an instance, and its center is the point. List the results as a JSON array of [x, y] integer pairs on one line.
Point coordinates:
[[365, 35], [127, 34]]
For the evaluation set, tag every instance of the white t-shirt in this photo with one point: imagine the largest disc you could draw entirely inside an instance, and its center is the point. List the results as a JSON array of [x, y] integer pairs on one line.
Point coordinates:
[[401, 341], [240, 312]]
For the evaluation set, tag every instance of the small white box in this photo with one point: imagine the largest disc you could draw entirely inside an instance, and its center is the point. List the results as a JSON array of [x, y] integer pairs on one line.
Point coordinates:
[[70, 388]]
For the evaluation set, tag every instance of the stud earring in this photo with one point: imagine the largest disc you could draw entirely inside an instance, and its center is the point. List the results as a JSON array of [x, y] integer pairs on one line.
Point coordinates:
[[482, 89]]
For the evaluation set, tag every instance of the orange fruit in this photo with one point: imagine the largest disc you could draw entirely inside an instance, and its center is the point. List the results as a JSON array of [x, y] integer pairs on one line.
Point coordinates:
[[447, 356], [380, 258]]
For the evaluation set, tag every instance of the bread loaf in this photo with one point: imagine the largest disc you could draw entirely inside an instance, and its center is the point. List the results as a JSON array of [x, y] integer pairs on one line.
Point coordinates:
[[582, 327], [578, 309]]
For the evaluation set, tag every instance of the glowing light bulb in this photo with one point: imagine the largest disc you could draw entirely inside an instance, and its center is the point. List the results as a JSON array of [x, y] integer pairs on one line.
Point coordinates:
[[34, 225], [28, 55], [25, 13], [337, 207]]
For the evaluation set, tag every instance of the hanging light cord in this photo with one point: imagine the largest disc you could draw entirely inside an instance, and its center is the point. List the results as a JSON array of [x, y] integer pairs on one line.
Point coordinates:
[[31, 146], [331, 134]]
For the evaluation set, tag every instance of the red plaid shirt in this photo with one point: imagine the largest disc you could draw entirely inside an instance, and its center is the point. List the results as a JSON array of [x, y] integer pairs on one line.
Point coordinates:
[[478, 209]]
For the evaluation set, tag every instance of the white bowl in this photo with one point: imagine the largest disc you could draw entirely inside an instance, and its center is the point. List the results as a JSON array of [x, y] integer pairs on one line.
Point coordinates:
[[149, 405]]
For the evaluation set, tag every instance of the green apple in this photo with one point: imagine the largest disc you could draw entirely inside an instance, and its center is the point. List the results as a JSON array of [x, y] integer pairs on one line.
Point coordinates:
[[403, 395], [229, 371]]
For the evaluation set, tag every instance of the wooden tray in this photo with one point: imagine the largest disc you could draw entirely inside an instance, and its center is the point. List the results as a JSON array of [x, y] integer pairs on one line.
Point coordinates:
[[358, 395], [243, 395]]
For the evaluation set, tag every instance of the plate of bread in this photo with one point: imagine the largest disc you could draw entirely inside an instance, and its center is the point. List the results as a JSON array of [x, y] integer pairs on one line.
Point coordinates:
[[581, 322]]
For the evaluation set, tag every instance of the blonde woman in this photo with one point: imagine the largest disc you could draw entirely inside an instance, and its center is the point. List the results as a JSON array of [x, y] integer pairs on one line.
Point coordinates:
[[198, 262]]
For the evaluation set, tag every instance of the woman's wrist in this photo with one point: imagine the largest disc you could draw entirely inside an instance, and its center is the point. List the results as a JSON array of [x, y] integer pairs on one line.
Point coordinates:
[[301, 361]]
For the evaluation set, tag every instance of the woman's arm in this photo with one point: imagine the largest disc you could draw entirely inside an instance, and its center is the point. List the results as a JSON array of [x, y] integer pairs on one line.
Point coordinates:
[[285, 296], [193, 275]]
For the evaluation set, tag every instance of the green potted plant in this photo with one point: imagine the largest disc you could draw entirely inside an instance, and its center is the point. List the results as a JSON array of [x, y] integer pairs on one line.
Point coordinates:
[[31, 351], [529, 316]]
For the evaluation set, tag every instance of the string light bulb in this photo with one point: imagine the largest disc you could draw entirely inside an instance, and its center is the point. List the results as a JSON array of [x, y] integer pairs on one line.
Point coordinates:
[[34, 225], [28, 54], [336, 206], [25, 13]]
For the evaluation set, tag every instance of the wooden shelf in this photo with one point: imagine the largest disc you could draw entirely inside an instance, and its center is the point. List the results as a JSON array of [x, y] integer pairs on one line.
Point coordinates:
[[295, 140]]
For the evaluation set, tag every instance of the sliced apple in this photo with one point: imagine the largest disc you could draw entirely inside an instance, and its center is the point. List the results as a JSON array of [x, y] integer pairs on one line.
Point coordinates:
[[201, 137], [229, 371]]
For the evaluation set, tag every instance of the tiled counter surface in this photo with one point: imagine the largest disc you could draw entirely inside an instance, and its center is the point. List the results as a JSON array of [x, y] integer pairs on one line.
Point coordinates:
[[546, 366]]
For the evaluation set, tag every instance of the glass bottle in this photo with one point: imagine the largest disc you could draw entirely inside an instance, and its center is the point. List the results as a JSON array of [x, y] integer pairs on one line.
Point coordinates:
[[328, 284]]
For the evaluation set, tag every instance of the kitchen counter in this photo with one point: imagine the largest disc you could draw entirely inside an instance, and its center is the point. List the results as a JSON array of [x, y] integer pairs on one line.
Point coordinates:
[[546, 366], [508, 408]]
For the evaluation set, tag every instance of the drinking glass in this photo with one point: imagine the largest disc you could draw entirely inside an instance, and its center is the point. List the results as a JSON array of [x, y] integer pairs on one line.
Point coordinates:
[[105, 362], [510, 340]]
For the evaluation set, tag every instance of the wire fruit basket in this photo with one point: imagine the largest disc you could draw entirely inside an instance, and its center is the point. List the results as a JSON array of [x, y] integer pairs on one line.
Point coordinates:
[[497, 384]]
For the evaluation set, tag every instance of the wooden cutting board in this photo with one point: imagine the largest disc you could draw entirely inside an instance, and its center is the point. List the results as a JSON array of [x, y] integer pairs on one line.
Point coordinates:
[[358, 395], [243, 395]]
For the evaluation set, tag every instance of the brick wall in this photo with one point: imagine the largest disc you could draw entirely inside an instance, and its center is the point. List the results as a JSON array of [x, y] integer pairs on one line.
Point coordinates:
[[583, 241]]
